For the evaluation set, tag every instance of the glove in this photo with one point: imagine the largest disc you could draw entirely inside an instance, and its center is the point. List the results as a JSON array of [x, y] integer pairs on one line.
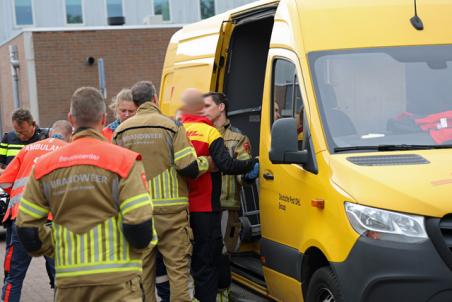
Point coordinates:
[[253, 174]]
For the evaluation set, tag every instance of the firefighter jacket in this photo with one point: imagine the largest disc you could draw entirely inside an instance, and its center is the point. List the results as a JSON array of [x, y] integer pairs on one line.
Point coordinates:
[[93, 189], [15, 176], [205, 191], [168, 156], [11, 144], [239, 147]]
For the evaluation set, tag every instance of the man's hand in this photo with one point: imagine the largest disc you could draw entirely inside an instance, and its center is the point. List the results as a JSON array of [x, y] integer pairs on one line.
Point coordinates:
[[212, 166]]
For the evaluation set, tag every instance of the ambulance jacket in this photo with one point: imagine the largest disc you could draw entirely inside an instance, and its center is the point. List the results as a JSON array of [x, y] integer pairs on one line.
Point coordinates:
[[205, 191], [168, 156], [15, 176], [11, 144], [96, 191]]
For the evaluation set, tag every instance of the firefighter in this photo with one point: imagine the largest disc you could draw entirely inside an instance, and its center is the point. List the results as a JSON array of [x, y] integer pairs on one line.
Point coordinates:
[[102, 211], [25, 132], [14, 180], [124, 108], [205, 209], [168, 159], [238, 145]]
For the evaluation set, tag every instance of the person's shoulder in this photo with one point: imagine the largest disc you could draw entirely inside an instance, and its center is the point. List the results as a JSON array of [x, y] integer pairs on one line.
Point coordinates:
[[234, 133]]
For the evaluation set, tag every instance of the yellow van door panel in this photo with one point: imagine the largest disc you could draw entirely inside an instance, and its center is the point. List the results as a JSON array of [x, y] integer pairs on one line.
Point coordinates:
[[287, 214], [284, 288]]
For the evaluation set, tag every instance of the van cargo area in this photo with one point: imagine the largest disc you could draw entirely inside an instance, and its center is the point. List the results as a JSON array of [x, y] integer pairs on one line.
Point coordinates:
[[245, 74]]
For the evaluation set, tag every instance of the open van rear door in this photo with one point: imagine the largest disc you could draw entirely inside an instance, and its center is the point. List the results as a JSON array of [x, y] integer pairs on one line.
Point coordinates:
[[192, 60]]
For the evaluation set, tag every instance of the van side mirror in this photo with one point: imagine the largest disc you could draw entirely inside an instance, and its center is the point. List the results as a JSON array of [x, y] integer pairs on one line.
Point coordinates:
[[284, 147]]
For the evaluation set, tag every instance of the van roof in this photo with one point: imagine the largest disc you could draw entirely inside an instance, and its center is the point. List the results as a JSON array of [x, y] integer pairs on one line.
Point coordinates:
[[343, 24], [332, 24]]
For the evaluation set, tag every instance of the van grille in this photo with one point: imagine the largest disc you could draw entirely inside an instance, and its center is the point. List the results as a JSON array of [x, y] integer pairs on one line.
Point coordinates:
[[445, 225], [440, 232]]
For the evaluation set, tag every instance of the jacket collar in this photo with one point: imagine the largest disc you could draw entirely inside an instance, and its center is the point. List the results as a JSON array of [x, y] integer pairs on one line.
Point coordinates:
[[88, 133], [148, 107], [190, 118], [223, 128]]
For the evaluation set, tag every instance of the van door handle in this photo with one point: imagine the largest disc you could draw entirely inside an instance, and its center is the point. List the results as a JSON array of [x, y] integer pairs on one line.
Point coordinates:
[[268, 176]]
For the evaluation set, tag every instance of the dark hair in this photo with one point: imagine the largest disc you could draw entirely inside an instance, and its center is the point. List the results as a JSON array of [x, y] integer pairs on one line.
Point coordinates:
[[219, 98], [87, 106], [22, 115], [142, 92]]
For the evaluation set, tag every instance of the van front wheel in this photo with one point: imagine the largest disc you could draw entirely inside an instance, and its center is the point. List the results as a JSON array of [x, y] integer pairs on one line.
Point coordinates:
[[324, 287]]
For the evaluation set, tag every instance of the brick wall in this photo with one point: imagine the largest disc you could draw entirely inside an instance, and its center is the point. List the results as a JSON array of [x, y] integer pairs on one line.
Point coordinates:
[[6, 82], [129, 56]]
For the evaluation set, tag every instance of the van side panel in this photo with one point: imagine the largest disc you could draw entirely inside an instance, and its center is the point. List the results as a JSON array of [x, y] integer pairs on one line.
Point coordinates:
[[283, 287]]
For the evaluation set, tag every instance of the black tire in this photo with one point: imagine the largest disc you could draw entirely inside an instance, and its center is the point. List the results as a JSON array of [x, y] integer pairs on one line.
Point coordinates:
[[324, 287]]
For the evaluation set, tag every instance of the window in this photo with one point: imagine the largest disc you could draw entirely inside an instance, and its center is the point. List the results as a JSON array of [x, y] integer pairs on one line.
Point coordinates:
[[207, 8], [283, 88], [24, 12], [74, 13], [114, 8], [287, 100], [161, 7]]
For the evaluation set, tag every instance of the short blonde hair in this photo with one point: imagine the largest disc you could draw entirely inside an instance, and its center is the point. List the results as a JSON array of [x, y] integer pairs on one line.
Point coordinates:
[[124, 95]]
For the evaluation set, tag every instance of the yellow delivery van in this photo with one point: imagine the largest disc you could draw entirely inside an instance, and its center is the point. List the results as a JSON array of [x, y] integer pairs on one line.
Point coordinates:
[[355, 185]]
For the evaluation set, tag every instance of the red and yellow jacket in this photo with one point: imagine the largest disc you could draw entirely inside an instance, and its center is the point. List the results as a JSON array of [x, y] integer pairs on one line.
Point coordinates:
[[15, 177], [205, 191]]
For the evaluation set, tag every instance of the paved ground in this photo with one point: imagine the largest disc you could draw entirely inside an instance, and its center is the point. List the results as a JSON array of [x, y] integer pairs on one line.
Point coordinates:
[[36, 286]]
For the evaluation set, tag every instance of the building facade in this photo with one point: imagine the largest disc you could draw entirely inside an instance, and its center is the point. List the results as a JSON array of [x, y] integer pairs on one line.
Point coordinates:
[[52, 64], [16, 15]]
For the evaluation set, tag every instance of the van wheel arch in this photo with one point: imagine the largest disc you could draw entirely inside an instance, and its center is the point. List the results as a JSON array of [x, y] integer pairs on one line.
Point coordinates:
[[313, 260]]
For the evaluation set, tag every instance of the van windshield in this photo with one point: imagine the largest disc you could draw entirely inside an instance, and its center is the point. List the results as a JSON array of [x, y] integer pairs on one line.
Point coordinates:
[[385, 99]]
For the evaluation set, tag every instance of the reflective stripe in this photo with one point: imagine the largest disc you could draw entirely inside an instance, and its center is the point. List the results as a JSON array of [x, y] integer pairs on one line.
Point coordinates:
[[3, 149], [15, 200], [183, 153], [134, 203], [203, 164], [70, 248], [21, 182], [165, 178], [12, 152], [32, 209], [154, 235], [81, 270], [172, 173], [110, 250], [15, 146], [169, 202], [156, 182], [243, 156], [95, 239]]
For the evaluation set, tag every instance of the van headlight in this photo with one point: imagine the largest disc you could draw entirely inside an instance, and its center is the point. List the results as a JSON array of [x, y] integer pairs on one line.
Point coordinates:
[[386, 225]]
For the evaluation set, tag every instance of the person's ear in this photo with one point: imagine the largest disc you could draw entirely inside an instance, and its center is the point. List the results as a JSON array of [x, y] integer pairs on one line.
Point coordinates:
[[222, 107], [155, 100], [104, 119], [71, 119]]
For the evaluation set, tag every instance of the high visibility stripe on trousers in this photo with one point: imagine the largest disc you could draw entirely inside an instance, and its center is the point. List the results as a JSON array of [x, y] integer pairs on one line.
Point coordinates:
[[165, 189], [102, 249]]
